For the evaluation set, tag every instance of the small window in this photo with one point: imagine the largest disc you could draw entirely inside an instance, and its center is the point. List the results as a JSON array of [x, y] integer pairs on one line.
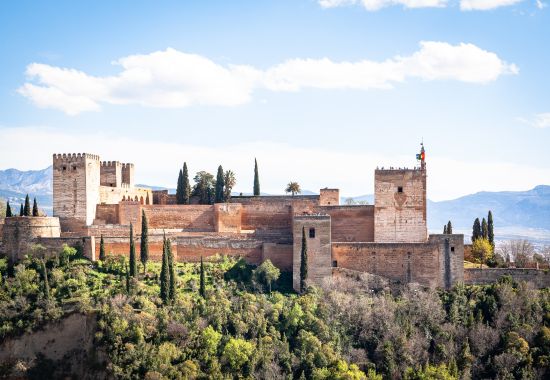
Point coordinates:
[[399, 189], [74, 167], [312, 233], [334, 263], [64, 168], [452, 249]]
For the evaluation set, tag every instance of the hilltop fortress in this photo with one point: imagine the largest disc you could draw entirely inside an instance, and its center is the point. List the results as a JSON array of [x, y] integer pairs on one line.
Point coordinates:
[[93, 198]]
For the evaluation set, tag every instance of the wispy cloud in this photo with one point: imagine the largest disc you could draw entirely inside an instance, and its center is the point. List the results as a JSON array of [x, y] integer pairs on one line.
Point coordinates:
[[175, 79], [465, 5], [484, 5], [541, 120]]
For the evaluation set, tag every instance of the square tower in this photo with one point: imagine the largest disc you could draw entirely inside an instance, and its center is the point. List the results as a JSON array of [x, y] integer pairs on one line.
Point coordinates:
[[76, 180], [111, 173], [128, 174], [400, 205]]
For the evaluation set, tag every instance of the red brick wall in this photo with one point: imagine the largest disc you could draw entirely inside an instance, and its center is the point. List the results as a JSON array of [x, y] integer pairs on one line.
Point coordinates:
[[107, 214], [189, 217], [191, 249], [279, 254], [351, 223], [228, 217]]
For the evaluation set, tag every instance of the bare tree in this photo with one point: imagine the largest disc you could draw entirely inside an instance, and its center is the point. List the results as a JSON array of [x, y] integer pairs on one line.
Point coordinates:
[[518, 251]]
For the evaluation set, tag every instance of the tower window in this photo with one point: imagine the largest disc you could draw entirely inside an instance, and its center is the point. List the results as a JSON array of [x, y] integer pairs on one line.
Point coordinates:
[[312, 233], [452, 249], [74, 167], [399, 189], [64, 168]]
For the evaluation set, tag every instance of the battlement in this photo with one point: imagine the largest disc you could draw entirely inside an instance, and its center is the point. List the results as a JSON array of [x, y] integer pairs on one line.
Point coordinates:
[[74, 157], [396, 170], [109, 163], [127, 166]]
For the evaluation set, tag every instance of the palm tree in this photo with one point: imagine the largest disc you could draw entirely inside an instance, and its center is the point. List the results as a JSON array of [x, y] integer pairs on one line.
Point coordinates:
[[293, 188]]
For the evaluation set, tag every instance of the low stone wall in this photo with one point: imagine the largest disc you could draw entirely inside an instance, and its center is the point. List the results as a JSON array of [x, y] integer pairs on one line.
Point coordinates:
[[476, 276], [190, 249]]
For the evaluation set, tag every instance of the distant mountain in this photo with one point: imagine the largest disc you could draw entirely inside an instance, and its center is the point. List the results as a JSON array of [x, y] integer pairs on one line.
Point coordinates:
[[517, 214]]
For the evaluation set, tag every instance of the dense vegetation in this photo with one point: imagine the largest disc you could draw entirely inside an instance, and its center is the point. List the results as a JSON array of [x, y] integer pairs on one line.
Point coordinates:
[[232, 325]]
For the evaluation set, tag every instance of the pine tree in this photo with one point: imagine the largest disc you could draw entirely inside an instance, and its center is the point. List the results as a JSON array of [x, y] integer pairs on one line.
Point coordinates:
[[202, 287], [186, 185], [144, 245], [476, 230], [444, 229], [8, 210], [303, 261], [179, 189], [34, 208], [164, 275], [171, 272], [21, 211], [256, 179], [27, 208], [133, 263], [484, 229], [449, 228], [490, 229], [219, 185], [101, 249], [45, 279]]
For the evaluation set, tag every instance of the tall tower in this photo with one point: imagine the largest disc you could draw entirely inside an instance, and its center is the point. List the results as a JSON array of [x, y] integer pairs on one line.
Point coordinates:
[[400, 204], [76, 181]]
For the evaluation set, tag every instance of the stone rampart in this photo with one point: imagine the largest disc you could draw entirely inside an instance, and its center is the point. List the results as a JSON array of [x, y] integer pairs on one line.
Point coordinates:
[[279, 254], [351, 223], [191, 249], [19, 233], [184, 217], [539, 278], [228, 217]]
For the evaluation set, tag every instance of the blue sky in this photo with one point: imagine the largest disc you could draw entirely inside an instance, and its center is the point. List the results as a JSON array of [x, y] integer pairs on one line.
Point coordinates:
[[321, 92]]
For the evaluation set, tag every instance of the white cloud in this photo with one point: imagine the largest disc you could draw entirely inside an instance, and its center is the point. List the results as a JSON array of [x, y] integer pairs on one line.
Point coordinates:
[[316, 168], [374, 5], [173, 79], [483, 5], [541, 120], [541, 5]]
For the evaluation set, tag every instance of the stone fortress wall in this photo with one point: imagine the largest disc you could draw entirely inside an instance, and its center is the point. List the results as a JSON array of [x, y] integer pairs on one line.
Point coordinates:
[[94, 199]]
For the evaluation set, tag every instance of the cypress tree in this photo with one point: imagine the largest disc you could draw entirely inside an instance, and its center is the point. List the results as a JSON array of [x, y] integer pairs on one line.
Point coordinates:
[[219, 185], [449, 228], [303, 261], [490, 229], [186, 185], [202, 288], [8, 210], [171, 272], [179, 189], [444, 229], [476, 230], [164, 280], [27, 208], [133, 263], [256, 179], [21, 211], [34, 208], [484, 229], [127, 280], [45, 279], [101, 249], [144, 246]]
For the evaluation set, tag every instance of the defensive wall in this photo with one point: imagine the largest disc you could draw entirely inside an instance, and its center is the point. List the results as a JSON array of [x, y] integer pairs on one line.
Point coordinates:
[[540, 278]]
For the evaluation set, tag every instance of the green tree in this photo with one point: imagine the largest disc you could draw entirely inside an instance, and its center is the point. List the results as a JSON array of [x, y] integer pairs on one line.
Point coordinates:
[[256, 179], [21, 210], [34, 208], [293, 188], [179, 188], [171, 272], [8, 210], [476, 230], [303, 261], [133, 262], [186, 185], [101, 249], [202, 287], [27, 208], [484, 229], [46, 284], [219, 185], [444, 229], [490, 229], [482, 250], [238, 352], [449, 228], [204, 182], [144, 244], [267, 273], [229, 181], [164, 275], [127, 278]]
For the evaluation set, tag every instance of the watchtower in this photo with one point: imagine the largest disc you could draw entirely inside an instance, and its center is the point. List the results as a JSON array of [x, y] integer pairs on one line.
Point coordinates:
[[76, 181]]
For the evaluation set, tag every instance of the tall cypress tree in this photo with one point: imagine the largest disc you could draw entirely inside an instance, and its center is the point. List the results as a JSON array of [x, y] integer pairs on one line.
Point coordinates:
[[186, 185], [45, 281], [101, 249], [476, 230], [490, 229], [8, 210], [34, 208], [179, 189], [484, 229], [202, 288], [127, 275], [27, 208], [171, 272], [144, 246], [21, 210], [449, 228], [444, 229], [219, 185], [256, 179], [133, 262], [303, 261], [164, 275]]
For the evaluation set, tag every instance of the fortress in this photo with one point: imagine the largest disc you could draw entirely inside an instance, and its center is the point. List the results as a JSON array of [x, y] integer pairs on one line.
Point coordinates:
[[93, 198]]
